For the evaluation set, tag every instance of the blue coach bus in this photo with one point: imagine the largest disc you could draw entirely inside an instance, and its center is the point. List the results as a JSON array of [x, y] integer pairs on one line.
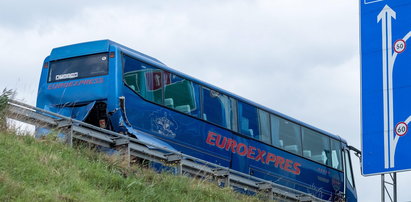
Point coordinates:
[[114, 87]]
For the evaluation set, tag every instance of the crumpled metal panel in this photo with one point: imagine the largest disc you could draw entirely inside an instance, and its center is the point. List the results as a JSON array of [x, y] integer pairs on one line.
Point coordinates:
[[76, 112]]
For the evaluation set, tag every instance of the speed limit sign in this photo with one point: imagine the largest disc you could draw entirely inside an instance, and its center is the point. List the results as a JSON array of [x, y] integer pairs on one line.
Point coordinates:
[[399, 46], [401, 128]]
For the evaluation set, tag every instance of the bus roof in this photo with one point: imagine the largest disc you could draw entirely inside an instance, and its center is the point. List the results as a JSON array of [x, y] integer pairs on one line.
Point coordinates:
[[104, 46]]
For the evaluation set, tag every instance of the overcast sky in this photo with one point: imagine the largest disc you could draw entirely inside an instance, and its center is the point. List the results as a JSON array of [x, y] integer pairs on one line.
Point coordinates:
[[298, 57]]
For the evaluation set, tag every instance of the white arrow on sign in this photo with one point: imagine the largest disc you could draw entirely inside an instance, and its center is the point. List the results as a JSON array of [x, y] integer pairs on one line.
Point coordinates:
[[385, 17]]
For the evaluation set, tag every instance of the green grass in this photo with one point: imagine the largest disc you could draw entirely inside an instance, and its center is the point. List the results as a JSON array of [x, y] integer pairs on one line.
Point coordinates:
[[46, 170]]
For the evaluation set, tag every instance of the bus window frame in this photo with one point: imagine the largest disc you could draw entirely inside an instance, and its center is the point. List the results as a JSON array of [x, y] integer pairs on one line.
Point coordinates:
[[151, 66], [347, 156], [261, 128], [228, 125]]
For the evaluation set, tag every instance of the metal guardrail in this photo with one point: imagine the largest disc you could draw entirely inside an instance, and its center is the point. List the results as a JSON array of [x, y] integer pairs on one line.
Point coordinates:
[[135, 148]]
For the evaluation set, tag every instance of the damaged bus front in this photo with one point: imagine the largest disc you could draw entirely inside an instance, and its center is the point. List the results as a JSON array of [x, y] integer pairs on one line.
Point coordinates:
[[82, 81], [76, 84]]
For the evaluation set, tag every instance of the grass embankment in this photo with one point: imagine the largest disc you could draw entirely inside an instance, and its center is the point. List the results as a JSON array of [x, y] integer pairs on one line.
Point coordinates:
[[46, 170]]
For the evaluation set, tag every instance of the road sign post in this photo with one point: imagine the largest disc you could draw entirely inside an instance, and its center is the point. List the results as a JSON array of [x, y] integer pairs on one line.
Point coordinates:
[[386, 184]]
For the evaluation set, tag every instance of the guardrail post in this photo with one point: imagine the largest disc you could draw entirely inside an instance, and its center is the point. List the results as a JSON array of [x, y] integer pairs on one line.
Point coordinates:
[[69, 139], [176, 160], [68, 130], [122, 145], [222, 176], [267, 188]]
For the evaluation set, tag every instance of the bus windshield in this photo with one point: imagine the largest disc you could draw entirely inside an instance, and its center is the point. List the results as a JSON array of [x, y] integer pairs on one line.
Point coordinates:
[[78, 67]]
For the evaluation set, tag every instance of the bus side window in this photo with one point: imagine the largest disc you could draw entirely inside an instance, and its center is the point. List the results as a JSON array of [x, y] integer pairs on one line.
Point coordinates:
[[248, 120], [144, 79], [234, 122], [181, 94], [348, 168], [316, 146], [285, 134], [264, 119], [216, 108], [336, 154]]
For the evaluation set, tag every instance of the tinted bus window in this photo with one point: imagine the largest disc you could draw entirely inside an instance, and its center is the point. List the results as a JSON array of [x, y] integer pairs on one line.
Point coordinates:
[[144, 79], [264, 119], [285, 134], [181, 94], [348, 168], [336, 154], [316, 146], [248, 120], [78, 67], [234, 122], [216, 108]]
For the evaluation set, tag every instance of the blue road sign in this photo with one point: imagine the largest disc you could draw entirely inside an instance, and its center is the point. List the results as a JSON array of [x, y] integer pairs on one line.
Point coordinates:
[[386, 85]]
